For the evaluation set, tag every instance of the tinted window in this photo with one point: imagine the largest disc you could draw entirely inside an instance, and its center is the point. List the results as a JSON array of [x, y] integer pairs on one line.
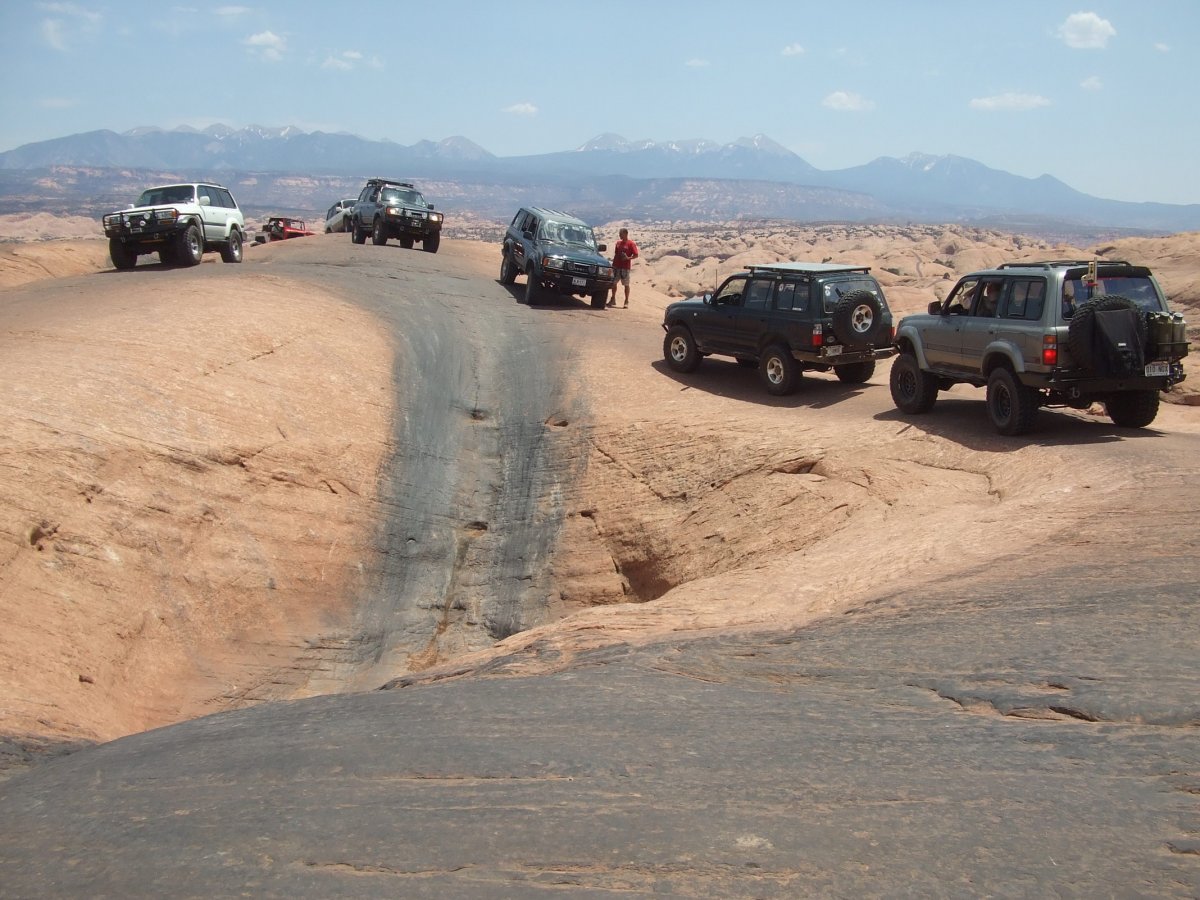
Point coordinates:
[[758, 294], [731, 292], [1138, 288], [1026, 299], [791, 295]]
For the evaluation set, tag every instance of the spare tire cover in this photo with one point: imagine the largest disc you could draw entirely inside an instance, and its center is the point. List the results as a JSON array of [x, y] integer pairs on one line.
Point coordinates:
[[1081, 334]]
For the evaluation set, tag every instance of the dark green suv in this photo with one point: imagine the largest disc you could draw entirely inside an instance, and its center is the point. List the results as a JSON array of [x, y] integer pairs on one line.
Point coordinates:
[[395, 209], [1054, 333], [558, 255], [786, 318]]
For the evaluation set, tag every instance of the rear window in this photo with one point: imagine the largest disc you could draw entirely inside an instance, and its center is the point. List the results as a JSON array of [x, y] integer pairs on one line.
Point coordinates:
[[1138, 288], [1026, 300], [836, 290]]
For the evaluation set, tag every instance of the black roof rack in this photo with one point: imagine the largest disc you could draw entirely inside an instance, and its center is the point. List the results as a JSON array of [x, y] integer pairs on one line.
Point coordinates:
[[1057, 263], [407, 184], [805, 268]]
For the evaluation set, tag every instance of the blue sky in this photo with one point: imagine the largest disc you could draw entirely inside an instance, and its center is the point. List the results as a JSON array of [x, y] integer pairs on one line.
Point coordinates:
[[1098, 94]]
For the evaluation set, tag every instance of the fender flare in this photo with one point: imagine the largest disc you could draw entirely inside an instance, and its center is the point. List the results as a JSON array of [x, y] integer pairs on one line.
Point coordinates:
[[908, 335]]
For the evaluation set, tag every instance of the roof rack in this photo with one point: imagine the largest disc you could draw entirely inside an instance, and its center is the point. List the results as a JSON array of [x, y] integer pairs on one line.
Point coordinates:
[[407, 184], [803, 267], [1055, 263]]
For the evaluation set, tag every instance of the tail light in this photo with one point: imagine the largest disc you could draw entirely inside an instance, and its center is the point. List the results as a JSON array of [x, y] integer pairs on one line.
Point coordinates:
[[1049, 350], [818, 335]]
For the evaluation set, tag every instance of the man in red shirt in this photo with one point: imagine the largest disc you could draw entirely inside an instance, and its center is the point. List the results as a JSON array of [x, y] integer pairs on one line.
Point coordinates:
[[625, 252]]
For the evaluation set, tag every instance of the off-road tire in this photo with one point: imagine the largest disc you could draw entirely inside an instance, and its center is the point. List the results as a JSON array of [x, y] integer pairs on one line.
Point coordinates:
[[122, 257], [914, 390], [189, 246], [679, 349], [379, 235], [599, 299], [166, 255], [358, 234], [855, 373], [1132, 409], [231, 250], [406, 243], [779, 370], [533, 290], [858, 320], [1011, 405], [1080, 332], [508, 271], [432, 242]]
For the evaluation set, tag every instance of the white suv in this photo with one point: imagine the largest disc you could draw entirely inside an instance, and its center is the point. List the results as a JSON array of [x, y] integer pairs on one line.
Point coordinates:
[[179, 222]]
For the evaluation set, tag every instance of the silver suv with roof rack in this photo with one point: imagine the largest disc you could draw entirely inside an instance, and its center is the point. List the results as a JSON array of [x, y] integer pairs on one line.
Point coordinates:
[[786, 318], [1060, 332]]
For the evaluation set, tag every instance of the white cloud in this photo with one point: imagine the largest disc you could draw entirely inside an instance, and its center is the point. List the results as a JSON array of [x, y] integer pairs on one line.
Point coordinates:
[[1162, 48], [793, 50], [68, 21], [344, 61], [521, 109], [847, 101], [1010, 102], [57, 103], [1086, 31], [697, 63], [269, 45], [231, 11], [1092, 84]]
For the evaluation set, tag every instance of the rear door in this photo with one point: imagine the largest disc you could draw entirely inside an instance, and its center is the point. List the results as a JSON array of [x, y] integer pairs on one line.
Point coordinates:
[[212, 212], [755, 318]]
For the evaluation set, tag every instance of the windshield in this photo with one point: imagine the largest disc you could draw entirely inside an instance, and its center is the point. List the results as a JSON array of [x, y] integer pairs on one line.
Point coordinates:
[[1138, 288], [562, 233], [836, 290], [402, 195], [176, 193]]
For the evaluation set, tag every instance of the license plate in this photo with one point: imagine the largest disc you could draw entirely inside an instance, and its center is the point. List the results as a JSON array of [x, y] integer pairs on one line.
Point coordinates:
[[579, 282], [833, 350], [1157, 368]]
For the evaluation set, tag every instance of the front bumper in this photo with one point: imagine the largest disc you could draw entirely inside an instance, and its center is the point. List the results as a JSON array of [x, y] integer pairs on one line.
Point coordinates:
[[575, 283]]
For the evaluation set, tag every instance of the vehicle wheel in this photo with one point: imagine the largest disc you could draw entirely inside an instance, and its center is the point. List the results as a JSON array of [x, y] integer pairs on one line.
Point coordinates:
[[779, 370], [189, 247], [358, 234], [1011, 405], [508, 272], [406, 243], [858, 319], [232, 251], [1132, 409], [533, 291], [745, 363], [679, 349], [431, 243], [599, 299], [328, 230], [121, 256], [913, 389], [855, 373], [1082, 330], [378, 233], [166, 256]]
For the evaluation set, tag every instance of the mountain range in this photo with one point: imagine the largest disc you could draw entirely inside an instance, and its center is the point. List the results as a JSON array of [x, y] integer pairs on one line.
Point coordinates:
[[752, 178]]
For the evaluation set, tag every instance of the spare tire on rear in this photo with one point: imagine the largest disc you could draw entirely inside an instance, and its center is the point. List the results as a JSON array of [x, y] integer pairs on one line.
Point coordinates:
[[1084, 338], [858, 320]]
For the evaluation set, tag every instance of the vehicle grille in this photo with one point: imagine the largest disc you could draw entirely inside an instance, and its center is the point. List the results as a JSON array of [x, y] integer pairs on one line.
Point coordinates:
[[581, 268]]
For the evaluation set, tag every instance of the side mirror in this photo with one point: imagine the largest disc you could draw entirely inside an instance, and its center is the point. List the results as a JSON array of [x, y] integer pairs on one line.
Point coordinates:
[[935, 308], [205, 200], [600, 248], [431, 206]]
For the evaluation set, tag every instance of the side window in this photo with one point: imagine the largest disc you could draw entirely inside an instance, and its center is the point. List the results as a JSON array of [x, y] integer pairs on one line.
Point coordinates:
[[1026, 299], [227, 199], [987, 299], [791, 295], [517, 219], [959, 301], [758, 294], [730, 293], [365, 196]]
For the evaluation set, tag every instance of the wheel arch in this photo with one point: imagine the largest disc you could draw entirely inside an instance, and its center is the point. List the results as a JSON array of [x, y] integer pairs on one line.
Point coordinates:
[[907, 342]]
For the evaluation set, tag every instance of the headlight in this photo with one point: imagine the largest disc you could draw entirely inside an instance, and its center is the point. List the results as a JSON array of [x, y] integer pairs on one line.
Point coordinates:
[[112, 221], [166, 215], [554, 262], [435, 217], [395, 211], [605, 271]]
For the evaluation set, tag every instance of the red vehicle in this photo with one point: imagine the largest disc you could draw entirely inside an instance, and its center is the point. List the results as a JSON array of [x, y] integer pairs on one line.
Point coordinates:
[[280, 228]]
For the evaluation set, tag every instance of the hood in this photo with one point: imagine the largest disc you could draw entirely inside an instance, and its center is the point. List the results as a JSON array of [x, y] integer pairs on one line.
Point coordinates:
[[577, 253]]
